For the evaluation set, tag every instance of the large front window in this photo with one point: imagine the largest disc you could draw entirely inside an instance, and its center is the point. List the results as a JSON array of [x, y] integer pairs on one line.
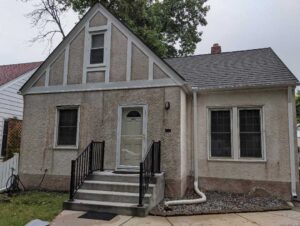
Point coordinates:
[[236, 133]]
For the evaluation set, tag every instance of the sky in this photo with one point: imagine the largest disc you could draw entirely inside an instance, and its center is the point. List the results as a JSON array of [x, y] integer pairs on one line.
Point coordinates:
[[234, 24]]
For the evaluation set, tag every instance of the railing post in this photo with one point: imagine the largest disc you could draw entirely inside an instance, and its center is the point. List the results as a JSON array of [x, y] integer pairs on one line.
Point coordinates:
[[141, 185], [102, 155], [153, 149], [73, 165], [91, 157], [158, 156]]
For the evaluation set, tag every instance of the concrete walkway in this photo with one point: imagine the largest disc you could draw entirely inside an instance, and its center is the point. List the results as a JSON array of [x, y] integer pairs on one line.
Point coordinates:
[[273, 218]]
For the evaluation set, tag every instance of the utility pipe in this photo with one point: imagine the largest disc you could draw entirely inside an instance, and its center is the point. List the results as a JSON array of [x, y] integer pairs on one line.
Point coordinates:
[[202, 197], [292, 142]]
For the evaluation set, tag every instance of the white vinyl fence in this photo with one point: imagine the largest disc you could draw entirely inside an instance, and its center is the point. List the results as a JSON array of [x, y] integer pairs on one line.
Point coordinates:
[[6, 170]]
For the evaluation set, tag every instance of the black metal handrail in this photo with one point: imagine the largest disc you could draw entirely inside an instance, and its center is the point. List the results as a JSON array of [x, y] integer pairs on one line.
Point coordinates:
[[90, 160], [148, 167]]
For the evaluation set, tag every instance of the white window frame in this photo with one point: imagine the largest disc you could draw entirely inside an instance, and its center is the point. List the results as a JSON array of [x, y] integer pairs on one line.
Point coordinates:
[[262, 133], [235, 134], [210, 109], [65, 107], [89, 65]]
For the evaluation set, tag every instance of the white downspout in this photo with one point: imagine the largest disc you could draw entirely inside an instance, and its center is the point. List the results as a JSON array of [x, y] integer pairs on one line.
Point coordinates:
[[196, 173], [292, 142]]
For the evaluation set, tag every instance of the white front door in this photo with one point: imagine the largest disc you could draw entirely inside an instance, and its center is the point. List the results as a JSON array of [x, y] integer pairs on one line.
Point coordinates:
[[132, 123]]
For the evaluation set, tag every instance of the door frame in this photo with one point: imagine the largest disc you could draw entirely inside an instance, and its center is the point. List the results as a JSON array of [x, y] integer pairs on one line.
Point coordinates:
[[119, 131]]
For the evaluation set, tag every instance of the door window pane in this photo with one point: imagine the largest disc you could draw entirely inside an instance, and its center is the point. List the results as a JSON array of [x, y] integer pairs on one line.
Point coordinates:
[[220, 133], [250, 133], [67, 127]]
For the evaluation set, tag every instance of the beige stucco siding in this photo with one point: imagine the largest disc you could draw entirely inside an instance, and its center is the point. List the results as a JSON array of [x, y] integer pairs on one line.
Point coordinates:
[[139, 64], [57, 71], [158, 73], [98, 20], [96, 76], [118, 61], [98, 121], [275, 119], [40, 81], [76, 54]]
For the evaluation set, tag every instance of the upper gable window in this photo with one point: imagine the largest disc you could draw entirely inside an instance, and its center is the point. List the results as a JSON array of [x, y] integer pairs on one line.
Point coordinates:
[[97, 49]]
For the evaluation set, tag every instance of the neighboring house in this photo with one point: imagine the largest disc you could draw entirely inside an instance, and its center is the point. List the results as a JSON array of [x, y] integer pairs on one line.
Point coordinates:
[[236, 110], [12, 78]]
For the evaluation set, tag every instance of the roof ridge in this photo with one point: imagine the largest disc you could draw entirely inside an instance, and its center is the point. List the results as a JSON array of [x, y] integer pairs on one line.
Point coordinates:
[[35, 62], [222, 53]]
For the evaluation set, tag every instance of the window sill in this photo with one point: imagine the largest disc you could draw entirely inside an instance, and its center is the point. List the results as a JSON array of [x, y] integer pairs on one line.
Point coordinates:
[[237, 160], [75, 148], [95, 65]]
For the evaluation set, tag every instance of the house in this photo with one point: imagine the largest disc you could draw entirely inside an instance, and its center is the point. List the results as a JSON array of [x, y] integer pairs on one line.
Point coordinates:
[[232, 114], [12, 78]]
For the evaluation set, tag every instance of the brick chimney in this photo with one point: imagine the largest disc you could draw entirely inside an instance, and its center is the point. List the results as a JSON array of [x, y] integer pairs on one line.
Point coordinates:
[[216, 49]]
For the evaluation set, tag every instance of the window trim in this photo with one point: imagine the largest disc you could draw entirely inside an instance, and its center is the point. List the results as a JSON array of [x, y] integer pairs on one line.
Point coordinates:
[[262, 136], [103, 64], [66, 107], [235, 129], [210, 157]]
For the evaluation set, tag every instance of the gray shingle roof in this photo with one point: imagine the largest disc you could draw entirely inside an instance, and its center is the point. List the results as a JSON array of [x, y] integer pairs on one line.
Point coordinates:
[[258, 67]]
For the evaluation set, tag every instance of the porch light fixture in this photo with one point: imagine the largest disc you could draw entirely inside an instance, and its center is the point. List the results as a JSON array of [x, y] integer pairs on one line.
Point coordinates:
[[167, 105]]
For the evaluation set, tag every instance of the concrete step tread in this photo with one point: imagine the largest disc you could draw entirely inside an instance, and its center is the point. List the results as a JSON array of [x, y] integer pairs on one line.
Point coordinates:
[[110, 173], [114, 183], [116, 193], [112, 204]]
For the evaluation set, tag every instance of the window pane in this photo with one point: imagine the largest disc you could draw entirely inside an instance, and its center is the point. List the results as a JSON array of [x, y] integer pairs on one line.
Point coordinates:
[[96, 56], [67, 127], [98, 41], [220, 133], [220, 144], [250, 133], [250, 120], [220, 121]]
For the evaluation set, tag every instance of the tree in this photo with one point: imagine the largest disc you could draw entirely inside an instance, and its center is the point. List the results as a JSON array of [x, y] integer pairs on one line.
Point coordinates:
[[47, 18], [168, 27], [298, 106]]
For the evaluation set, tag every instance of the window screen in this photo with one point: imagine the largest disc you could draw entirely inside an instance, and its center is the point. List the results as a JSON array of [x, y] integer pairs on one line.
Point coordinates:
[[97, 49], [67, 127], [220, 133], [250, 133]]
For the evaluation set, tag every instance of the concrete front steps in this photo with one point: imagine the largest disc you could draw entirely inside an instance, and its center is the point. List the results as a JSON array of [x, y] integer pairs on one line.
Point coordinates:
[[116, 193]]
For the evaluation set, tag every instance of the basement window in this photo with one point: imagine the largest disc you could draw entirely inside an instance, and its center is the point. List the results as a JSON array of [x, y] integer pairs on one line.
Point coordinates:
[[67, 127], [97, 49]]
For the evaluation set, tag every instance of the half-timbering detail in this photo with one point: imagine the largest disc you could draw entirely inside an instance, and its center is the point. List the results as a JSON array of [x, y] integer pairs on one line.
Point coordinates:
[[98, 20]]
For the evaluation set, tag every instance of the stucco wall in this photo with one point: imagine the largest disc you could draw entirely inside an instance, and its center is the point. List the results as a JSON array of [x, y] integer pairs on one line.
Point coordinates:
[[57, 71], [95, 76], [98, 121], [40, 81], [277, 165], [118, 61], [75, 67], [98, 20], [139, 65], [158, 73]]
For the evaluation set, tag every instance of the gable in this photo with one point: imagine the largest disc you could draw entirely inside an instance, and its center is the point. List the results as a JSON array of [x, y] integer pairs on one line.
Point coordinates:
[[101, 53]]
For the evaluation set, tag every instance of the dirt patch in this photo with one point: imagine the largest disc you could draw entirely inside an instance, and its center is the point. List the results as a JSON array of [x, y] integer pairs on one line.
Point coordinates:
[[221, 202]]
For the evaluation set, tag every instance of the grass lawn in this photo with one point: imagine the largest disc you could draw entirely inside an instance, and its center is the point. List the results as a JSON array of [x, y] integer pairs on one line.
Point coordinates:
[[20, 209]]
